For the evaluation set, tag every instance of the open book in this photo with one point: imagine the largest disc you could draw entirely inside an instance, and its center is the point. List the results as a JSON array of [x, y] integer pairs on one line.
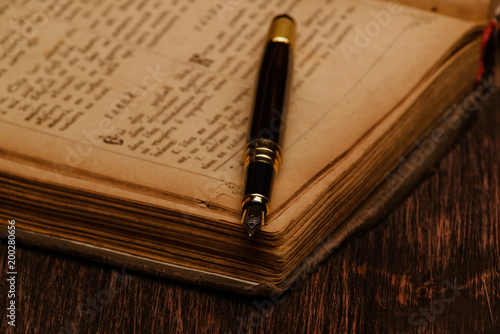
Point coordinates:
[[122, 124]]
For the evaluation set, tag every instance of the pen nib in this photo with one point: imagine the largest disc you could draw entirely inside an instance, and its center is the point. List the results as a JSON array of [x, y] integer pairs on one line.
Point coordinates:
[[253, 219]]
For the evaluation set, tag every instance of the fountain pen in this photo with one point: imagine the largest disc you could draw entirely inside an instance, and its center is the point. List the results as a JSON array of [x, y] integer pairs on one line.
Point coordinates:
[[263, 155]]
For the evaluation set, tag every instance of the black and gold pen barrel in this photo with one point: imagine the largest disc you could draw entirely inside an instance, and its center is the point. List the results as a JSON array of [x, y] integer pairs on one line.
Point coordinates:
[[263, 154]]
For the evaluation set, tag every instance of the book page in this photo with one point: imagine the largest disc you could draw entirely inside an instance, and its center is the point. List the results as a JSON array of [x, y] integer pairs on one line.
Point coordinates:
[[155, 96], [477, 10]]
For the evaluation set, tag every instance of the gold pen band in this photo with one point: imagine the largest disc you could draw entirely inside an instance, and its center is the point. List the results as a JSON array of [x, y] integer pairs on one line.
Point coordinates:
[[263, 150], [282, 30], [256, 198]]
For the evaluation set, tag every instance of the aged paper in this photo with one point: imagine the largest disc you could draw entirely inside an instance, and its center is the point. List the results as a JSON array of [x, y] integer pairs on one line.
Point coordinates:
[[154, 97], [477, 10]]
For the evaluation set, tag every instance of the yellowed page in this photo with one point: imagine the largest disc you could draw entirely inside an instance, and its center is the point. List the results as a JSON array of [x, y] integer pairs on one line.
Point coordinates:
[[475, 10], [155, 97]]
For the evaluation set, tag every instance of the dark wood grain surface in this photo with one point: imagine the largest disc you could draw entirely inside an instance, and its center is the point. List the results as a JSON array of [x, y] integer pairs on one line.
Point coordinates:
[[432, 265]]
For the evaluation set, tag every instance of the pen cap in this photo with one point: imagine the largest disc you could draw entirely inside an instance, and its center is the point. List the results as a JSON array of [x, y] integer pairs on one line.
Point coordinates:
[[271, 98]]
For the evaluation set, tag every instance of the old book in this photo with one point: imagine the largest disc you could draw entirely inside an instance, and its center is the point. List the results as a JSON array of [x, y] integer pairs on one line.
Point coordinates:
[[122, 126]]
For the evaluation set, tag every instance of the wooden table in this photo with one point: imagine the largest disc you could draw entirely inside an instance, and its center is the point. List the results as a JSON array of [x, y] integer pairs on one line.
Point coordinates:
[[432, 265]]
